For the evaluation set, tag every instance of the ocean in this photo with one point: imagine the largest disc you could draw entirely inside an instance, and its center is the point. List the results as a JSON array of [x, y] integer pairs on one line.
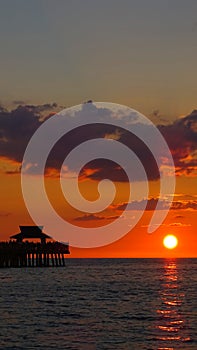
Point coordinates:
[[97, 304]]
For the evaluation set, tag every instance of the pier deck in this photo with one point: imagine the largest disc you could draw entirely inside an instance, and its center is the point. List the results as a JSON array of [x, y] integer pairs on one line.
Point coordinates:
[[29, 254]]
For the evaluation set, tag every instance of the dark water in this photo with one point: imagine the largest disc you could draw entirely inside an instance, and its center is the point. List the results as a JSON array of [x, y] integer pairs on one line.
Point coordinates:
[[100, 304]]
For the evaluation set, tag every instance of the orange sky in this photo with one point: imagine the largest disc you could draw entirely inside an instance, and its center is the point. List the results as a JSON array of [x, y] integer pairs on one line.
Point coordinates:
[[181, 219], [137, 243], [141, 54]]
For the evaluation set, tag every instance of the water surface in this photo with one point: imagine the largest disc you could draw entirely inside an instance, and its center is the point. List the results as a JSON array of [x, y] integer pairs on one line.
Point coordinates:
[[97, 304]]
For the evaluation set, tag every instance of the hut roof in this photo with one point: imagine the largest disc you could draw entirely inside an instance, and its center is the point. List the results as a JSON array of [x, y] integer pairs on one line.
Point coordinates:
[[31, 232]]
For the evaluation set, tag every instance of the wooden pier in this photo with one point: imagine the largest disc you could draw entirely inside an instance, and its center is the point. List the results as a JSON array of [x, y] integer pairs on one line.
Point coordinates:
[[32, 254]]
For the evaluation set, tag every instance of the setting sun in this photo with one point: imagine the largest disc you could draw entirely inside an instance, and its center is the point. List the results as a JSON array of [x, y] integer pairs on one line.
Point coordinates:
[[170, 241]]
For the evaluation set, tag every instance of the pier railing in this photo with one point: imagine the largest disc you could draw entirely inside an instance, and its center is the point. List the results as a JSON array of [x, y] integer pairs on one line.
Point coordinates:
[[30, 254]]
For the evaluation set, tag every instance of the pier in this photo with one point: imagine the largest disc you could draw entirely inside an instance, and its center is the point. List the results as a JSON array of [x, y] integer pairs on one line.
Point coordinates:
[[20, 253]]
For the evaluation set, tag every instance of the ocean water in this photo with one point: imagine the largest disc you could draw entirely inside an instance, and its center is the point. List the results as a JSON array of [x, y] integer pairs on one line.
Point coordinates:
[[100, 304]]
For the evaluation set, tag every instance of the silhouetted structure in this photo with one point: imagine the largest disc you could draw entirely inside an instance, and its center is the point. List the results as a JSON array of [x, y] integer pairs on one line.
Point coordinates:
[[34, 232], [29, 254]]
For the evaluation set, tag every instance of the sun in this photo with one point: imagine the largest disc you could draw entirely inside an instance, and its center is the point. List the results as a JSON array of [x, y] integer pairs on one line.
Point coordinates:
[[170, 241]]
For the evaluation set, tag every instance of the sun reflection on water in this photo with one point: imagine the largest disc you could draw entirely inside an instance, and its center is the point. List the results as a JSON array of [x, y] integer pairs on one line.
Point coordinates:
[[171, 326]]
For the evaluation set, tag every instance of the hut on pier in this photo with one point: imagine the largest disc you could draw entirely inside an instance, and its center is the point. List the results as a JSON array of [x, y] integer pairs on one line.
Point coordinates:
[[20, 253], [31, 232]]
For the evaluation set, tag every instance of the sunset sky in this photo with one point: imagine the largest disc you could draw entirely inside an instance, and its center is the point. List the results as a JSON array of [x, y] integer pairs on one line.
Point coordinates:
[[143, 54]]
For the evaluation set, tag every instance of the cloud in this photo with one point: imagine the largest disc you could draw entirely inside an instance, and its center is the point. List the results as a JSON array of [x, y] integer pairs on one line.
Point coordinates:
[[103, 169], [42, 108], [9, 167], [181, 137], [18, 125], [184, 196], [173, 224], [93, 217], [150, 204], [183, 205], [178, 224], [114, 136]]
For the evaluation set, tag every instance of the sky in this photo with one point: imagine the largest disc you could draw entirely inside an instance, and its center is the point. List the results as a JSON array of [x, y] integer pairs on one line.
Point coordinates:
[[139, 53], [143, 54]]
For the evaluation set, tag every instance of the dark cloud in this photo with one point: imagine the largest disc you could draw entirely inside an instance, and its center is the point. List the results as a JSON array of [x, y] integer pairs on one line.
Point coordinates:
[[18, 125], [180, 205], [2, 109], [181, 137], [139, 205], [93, 217], [12, 172], [42, 108], [151, 205], [103, 168], [16, 128]]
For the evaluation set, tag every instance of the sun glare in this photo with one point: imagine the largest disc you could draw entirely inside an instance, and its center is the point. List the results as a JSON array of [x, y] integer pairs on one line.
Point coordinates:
[[170, 241]]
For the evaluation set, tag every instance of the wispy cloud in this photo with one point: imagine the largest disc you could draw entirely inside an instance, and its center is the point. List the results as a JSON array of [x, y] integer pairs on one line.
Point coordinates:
[[179, 224], [152, 203], [149, 204], [93, 217], [183, 205]]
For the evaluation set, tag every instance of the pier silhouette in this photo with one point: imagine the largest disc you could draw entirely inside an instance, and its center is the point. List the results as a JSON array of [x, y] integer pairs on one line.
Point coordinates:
[[20, 253]]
